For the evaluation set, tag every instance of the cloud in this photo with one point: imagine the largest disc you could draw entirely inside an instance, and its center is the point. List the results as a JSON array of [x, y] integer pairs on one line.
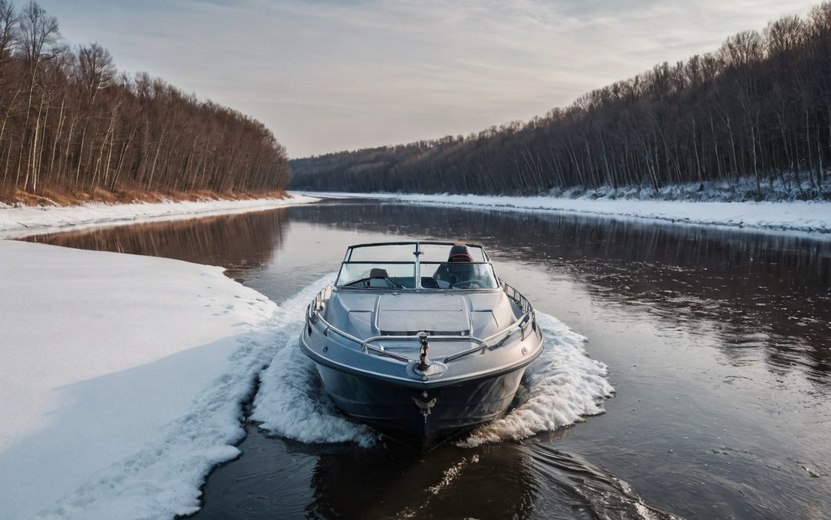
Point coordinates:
[[331, 75]]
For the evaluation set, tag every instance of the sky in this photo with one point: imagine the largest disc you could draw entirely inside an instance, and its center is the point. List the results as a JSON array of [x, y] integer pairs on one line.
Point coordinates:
[[328, 75]]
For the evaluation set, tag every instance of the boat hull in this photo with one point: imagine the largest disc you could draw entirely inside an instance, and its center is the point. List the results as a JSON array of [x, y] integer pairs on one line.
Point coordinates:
[[425, 417]]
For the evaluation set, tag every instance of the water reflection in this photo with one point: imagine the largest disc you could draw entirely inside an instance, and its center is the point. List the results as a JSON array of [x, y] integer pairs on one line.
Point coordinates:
[[236, 242], [758, 292], [446, 483], [528, 480], [516, 481]]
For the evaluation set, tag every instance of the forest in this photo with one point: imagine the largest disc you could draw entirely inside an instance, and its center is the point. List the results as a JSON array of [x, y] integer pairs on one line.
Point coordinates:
[[758, 108], [72, 126]]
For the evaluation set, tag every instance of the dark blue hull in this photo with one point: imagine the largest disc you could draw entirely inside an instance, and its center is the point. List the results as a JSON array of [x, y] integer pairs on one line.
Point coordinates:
[[421, 417]]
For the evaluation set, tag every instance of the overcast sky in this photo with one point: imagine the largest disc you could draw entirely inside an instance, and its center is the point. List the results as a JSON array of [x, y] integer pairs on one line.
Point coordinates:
[[333, 75]]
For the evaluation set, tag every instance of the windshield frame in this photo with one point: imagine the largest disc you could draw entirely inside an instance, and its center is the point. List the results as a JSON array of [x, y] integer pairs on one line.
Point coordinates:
[[417, 250]]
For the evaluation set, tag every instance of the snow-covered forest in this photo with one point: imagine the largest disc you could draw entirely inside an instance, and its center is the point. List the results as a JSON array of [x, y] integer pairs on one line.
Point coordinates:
[[759, 107], [70, 124]]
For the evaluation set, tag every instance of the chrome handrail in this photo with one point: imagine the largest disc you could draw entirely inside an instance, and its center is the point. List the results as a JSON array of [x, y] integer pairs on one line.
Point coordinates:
[[313, 315]]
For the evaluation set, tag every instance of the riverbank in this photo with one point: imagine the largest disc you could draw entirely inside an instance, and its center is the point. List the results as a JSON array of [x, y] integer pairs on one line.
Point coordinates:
[[808, 219], [50, 197], [20, 221]]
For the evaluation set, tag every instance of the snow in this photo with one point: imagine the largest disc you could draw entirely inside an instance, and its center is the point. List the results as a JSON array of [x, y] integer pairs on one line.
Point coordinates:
[[121, 380], [802, 218], [19, 221]]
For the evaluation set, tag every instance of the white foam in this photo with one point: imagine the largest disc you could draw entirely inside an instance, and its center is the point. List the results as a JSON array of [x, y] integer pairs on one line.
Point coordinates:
[[291, 401], [451, 474], [562, 386]]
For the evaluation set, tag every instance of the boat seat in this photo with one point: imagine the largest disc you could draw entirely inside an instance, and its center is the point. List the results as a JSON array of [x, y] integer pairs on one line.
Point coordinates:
[[378, 278]]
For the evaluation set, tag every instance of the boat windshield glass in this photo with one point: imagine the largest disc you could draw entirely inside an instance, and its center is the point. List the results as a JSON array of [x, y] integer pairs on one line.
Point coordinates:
[[458, 275], [441, 253], [377, 275], [439, 266]]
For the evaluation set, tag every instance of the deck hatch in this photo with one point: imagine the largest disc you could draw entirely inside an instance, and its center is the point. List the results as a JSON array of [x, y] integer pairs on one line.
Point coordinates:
[[435, 314]]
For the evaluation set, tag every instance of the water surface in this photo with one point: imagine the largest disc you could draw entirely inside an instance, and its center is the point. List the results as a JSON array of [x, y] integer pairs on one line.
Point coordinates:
[[717, 344]]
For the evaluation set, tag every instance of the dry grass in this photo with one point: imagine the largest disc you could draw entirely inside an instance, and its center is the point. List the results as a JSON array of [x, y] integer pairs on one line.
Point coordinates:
[[51, 197]]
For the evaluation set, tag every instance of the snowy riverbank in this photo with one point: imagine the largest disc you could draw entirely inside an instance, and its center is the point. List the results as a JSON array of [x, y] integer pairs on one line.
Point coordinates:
[[809, 219], [121, 377], [121, 380], [16, 222]]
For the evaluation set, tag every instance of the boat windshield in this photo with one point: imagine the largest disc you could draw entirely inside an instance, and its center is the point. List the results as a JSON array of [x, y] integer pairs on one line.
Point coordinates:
[[422, 265]]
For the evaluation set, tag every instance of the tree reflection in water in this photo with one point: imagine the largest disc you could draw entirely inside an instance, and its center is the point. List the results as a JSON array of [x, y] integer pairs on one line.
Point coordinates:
[[236, 242]]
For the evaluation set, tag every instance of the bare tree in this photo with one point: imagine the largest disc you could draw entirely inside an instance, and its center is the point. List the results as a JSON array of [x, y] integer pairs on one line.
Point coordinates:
[[8, 29], [38, 30], [96, 70]]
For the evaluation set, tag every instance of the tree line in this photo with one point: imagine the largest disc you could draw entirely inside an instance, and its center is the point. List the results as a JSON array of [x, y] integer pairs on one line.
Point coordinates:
[[758, 107], [71, 123]]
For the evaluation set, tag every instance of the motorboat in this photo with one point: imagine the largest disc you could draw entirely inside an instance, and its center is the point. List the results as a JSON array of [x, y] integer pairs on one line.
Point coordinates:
[[420, 340]]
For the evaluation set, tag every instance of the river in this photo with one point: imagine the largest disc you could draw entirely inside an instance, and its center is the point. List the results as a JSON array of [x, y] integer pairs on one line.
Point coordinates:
[[718, 345]]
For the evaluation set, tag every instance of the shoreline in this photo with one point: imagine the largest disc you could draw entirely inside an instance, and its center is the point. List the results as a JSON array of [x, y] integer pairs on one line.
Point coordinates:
[[802, 219], [795, 219], [22, 221], [48, 198]]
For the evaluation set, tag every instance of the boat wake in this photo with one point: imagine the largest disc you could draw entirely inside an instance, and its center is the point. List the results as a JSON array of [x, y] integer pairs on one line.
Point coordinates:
[[559, 388], [578, 489], [290, 401]]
